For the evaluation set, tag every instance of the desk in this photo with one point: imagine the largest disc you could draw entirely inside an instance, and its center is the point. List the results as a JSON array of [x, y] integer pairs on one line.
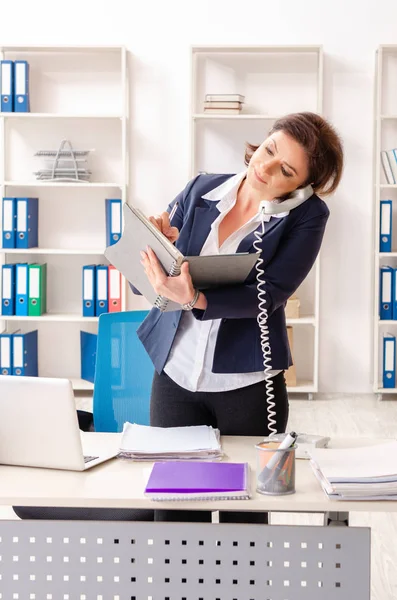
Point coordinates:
[[68, 560]]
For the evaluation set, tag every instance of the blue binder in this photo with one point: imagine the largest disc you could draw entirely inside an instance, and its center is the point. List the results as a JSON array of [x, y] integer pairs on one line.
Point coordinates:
[[386, 293], [9, 222], [27, 211], [113, 221], [7, 86], [88, 346], [21, 86], [8, 290], [89, 290], [389, 361], [394, 303], [24, 354], [5, 353], [21, 289], [102, 301], [386, 216]]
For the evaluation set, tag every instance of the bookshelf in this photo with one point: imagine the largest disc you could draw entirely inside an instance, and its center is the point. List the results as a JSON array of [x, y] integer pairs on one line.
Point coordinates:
[[385, 138], [78, 93], [275, 80]]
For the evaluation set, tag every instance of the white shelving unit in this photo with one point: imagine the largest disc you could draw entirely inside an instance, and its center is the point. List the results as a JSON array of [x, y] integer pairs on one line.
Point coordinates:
[[275, 81], [385, 138], [79, 93]]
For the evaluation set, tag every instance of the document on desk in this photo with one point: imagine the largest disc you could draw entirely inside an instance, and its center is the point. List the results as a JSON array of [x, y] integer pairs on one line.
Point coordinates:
[[363, 473], [142, 442]]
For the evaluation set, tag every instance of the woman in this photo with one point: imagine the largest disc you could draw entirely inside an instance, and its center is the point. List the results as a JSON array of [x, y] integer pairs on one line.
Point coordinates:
[[208, 357]]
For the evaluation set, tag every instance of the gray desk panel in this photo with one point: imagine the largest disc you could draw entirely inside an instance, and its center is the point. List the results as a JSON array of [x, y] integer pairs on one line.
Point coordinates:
[[89, 560]]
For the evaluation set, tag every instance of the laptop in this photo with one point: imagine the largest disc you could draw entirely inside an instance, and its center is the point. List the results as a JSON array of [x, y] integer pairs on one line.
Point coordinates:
[[39, 426]]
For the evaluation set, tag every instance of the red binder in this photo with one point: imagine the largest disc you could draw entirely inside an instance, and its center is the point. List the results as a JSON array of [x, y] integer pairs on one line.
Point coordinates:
[[114, 292]]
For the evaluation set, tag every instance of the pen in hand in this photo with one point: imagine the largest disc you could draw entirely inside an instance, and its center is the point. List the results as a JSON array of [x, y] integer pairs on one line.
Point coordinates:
[[173, 211], [163, 224]]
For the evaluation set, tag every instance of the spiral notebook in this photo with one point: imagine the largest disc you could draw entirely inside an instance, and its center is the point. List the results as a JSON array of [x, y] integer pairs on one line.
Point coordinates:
[[206, 271], [177, 480]]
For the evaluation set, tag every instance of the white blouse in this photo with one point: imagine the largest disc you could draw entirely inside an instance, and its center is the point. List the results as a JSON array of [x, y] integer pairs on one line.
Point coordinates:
[[191, 357]]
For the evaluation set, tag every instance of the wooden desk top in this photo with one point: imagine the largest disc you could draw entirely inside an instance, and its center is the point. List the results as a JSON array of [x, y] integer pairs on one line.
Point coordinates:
[[120, 483]]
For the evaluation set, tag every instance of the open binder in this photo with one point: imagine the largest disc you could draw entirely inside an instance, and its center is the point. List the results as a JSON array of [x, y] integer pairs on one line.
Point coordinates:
[[206, 271]]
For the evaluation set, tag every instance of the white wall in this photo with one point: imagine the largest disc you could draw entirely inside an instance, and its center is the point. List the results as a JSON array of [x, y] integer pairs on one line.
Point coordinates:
[[159, 34]]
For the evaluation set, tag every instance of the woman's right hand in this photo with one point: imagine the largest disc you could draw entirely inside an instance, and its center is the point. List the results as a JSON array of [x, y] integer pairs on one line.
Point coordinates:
[[162, 222]]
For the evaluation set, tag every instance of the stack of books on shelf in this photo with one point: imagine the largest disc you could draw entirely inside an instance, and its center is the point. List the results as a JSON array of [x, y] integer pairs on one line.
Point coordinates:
[[141, 442], [223, 104], [364, 473]]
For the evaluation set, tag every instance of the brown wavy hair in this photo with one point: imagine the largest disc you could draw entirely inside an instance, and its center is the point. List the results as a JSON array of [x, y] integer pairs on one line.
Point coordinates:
[[322, 144]]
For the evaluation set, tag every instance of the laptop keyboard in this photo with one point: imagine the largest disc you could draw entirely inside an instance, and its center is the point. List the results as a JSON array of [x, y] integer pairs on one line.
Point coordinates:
[[90, 458]]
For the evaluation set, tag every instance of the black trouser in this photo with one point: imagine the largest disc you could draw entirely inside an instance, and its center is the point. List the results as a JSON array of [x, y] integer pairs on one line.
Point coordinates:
[[235, 412]]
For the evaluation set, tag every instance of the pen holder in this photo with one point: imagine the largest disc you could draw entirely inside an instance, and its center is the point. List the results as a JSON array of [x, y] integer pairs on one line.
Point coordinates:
[[275, 469]]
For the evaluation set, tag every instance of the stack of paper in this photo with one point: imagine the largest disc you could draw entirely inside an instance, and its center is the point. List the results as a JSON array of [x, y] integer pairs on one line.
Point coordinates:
[[364, 473], [142, 442]]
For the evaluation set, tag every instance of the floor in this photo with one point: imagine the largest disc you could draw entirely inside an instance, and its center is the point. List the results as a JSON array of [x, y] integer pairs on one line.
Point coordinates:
[[347, 416]]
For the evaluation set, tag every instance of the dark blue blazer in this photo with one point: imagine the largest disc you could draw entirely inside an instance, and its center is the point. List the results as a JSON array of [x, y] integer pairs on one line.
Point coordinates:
[[289, 248]]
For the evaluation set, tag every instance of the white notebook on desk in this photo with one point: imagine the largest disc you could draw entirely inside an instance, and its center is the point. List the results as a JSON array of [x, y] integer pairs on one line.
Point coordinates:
[[206, 271]]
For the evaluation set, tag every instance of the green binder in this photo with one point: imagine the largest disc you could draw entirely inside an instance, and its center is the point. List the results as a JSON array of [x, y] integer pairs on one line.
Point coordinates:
[[37, 289]]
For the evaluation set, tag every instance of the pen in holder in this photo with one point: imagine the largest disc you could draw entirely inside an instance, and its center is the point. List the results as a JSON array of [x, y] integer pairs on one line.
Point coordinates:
[[275, 468]]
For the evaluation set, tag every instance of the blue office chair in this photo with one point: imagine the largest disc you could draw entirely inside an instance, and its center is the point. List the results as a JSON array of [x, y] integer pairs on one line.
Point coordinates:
[[123, 373]]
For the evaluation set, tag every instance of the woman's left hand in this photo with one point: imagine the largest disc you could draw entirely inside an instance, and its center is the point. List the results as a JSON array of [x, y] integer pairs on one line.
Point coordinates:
[[179, 289]]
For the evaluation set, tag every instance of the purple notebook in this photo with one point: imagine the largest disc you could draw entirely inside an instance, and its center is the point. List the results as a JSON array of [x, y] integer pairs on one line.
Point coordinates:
[[198, 480]]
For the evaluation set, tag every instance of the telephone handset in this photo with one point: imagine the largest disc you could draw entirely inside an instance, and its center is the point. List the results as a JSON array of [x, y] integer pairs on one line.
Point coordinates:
[[297, 197], [271, 208]]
